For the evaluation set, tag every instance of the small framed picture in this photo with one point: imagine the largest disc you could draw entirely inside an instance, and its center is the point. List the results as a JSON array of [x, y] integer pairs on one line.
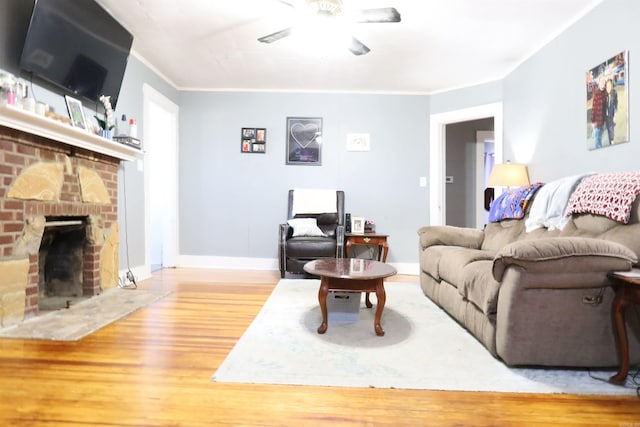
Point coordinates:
[[358, 142], [76, 112], [357, 224], [253, 140]]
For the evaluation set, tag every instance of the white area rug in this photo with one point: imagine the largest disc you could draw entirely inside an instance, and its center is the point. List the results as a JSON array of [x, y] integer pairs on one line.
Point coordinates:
[[423, 348], [83, 318]]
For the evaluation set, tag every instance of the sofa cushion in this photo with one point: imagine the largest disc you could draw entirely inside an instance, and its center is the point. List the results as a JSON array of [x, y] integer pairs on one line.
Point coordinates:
[[311, 247], [451, 261], [479, 286]]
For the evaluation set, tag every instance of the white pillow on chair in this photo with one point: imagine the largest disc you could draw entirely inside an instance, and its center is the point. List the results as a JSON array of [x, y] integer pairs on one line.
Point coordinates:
[[307, 227]]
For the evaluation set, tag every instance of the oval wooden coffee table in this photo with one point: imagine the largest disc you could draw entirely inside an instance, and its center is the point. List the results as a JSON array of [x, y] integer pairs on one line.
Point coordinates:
[[350, 275]]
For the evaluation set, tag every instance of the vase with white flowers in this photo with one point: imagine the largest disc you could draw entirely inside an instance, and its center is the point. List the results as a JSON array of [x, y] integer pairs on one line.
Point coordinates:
[[109, 122]]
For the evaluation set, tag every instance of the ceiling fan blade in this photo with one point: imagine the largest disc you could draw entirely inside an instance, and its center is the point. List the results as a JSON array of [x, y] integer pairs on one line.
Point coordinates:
[[276, 36], [357, 47], [288, 3], [383, 14]]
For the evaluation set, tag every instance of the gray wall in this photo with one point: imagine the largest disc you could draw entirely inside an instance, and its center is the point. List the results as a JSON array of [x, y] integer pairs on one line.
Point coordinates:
[[231, 203], [545, 117]]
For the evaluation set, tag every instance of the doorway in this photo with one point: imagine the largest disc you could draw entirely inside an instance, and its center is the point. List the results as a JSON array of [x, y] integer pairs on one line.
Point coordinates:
[[465, 172], [437, 151], [161, 176]]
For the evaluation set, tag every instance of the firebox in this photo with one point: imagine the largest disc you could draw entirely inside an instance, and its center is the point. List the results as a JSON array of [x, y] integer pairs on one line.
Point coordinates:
[[61, 262]]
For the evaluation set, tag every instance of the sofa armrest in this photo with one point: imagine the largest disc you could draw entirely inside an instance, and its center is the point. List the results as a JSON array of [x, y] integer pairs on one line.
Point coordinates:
[[450, 236], [561, 255]]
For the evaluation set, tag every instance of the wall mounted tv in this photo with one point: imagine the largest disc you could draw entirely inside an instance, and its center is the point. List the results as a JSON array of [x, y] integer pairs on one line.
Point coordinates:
[[78, 46]]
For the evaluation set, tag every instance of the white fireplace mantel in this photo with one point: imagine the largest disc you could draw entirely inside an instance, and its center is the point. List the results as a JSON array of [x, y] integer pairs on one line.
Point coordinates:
[[29, 122]]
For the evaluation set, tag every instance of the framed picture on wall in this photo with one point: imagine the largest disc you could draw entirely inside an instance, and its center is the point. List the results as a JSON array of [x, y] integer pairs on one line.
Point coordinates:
[[253, 140], [608, 102], [304, 140]]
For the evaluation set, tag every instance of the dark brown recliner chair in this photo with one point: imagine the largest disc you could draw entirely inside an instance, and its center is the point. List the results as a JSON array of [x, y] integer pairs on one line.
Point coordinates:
[[295, 250]]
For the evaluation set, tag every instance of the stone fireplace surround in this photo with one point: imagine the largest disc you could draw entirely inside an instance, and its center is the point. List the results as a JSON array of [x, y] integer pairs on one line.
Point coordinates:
[[42, 179]]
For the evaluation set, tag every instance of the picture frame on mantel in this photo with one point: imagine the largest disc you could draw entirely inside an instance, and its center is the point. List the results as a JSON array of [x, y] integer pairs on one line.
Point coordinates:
[[304, 141], [253, 140], [608, 102], [76, 112]]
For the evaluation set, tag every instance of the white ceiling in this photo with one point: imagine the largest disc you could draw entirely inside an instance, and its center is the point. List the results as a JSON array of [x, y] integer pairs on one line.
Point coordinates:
[[439, 45]]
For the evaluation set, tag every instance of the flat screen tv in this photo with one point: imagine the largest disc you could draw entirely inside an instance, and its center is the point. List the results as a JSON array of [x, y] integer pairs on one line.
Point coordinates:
[[78, 46]]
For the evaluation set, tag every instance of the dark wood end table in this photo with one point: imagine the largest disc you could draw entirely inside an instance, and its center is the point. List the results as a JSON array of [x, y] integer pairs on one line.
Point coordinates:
[[627, 287], [350, 275], [368, 238]]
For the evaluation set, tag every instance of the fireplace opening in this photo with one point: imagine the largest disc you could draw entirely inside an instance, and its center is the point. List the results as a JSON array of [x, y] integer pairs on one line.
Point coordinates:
[[61, 263]]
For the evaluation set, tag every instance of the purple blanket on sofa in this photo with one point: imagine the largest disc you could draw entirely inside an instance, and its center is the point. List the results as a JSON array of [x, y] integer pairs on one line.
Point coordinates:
[[513, 204]]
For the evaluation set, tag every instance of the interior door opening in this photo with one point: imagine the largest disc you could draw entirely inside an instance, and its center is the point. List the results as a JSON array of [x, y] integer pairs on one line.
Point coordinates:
[[161, 142]]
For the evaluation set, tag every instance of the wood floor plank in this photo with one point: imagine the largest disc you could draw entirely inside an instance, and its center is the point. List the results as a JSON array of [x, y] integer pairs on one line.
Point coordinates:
[[153, 368]]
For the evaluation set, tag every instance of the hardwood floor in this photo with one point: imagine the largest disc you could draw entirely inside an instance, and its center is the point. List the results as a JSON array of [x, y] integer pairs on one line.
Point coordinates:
[[152, 368]]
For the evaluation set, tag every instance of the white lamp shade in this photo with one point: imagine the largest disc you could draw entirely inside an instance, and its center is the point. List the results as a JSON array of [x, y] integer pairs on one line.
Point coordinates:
[[508, 175]]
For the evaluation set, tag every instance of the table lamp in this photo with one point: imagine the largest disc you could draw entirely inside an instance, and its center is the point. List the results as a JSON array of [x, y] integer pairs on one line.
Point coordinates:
[[508, 175], [505, 175]]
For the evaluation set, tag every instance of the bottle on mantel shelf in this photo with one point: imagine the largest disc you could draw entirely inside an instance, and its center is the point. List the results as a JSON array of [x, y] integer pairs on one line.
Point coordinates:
[[133, 128]]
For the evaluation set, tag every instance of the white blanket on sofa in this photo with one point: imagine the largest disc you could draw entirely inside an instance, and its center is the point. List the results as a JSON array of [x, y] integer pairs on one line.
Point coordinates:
[[549, 205]]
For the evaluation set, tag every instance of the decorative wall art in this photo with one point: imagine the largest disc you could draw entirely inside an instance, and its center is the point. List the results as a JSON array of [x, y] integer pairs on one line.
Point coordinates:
[[304, 140], [253, 140], [608, 102], [358, 142]]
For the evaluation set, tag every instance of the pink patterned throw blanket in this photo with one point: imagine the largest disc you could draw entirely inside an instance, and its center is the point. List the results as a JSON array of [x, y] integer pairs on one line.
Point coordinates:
[[513, 204], [607, 194]]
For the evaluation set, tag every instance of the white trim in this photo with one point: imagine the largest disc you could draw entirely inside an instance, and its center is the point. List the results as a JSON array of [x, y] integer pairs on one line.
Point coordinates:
[[139, 273], [437, 149], [482, 136], [171, 245], [26, 121]]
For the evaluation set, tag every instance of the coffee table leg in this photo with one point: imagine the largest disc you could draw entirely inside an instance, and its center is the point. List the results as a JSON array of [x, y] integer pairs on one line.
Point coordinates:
[[367, 301], [382, 298], [322, 299]]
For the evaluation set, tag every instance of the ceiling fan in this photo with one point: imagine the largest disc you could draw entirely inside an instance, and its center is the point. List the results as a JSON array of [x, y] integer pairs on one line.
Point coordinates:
[[331, 11]]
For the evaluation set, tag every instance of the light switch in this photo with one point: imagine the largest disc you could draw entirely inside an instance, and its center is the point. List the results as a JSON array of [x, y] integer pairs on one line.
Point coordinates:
[[423, 181]]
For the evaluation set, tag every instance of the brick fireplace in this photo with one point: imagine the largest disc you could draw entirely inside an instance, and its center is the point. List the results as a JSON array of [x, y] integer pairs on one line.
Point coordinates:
[[58, 209]]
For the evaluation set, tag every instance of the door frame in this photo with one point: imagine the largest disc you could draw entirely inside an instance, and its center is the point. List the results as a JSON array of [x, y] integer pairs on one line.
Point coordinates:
[[481, 137], [170, 221], [437, 150]]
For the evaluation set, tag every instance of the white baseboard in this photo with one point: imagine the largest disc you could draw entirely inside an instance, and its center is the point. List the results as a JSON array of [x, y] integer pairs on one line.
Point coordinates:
[[139, 273], [271, 264]]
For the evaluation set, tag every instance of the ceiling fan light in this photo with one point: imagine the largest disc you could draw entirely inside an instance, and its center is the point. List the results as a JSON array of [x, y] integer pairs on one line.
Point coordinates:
[[326, 7]]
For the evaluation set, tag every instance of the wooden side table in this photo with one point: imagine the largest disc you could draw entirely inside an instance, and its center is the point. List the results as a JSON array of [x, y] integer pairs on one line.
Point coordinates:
[[376, 239], [369, 238], [627, 287]]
